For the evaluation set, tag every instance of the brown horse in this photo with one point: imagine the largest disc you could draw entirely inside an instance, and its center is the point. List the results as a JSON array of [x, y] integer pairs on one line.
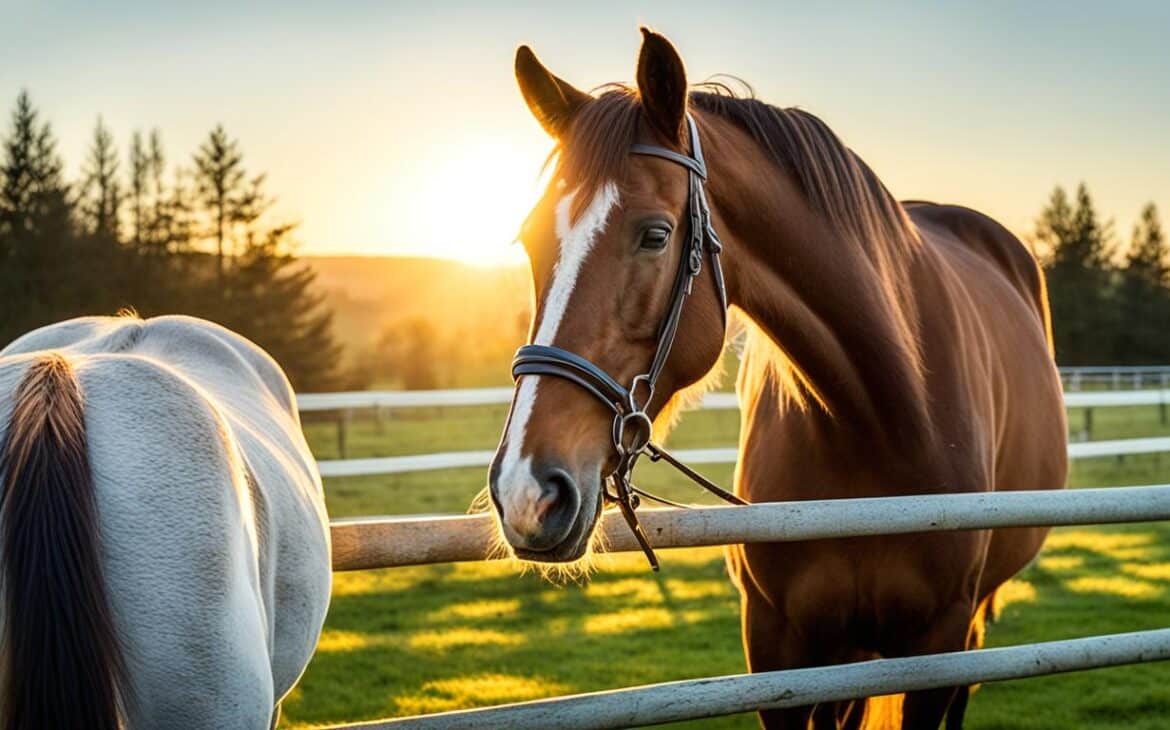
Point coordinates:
[[893, 349]]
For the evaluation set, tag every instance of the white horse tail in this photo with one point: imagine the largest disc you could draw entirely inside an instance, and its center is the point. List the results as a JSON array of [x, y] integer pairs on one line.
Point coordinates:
[[62, 661]]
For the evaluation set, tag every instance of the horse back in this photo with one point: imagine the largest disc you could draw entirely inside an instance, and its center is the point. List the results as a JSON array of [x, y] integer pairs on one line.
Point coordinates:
[[989, 239]]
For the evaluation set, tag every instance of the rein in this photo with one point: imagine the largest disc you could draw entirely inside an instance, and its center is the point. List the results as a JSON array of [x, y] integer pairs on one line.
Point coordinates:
[[629, 404]]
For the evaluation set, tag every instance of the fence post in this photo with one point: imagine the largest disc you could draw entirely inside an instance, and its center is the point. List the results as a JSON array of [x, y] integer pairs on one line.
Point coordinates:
[[1088, 423], [342, 425]]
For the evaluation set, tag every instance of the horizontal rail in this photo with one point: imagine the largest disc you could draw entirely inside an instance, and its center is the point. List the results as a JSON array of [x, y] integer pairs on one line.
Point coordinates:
[[1110, 369], [724, 455], [404, 464], [402, 399], [365, 543], [1108, 398], [718, 696], [355, 400]]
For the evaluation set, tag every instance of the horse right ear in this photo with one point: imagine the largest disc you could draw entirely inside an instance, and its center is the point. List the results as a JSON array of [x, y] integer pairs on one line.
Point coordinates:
[[553, 101]]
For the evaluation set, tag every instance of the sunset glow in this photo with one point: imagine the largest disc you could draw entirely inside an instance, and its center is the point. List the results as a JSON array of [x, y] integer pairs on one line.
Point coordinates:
[[467, 205]]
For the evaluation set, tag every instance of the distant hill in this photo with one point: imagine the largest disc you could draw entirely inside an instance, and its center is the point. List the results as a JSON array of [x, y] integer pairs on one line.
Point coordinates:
[[368, 294]]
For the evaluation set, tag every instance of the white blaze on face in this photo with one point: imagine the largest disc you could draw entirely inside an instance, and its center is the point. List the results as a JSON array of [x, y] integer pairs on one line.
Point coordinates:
[[516, 487]]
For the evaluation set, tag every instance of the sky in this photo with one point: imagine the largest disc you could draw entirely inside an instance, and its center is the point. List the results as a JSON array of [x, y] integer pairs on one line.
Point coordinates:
[[396, 128]]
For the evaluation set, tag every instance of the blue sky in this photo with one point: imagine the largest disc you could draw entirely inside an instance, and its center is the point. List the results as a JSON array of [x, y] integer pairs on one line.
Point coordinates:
[[396, 127]]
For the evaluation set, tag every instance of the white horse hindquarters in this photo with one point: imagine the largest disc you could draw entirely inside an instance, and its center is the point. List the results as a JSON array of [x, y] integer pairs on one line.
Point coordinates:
[[253, 395], [180, 549]]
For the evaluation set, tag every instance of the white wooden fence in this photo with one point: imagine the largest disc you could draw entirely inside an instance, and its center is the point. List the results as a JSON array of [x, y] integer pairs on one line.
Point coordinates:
[[370, 399], [1115, 376], [725, 455], [385, 542], [360, 544], [717, 696], [343, 404]]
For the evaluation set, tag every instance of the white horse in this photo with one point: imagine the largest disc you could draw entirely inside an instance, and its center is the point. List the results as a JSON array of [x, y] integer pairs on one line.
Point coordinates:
[[164, 547]]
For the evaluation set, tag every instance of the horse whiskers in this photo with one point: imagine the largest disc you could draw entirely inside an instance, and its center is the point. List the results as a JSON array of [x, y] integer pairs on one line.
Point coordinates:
[[481, 502], [577, 571], [498, 548]]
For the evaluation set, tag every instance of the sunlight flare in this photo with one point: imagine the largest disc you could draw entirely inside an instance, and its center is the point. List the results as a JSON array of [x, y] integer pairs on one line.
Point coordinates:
[[469, 204]]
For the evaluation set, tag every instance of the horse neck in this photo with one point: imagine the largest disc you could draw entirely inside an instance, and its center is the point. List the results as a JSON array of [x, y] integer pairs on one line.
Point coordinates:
[[830, 304]]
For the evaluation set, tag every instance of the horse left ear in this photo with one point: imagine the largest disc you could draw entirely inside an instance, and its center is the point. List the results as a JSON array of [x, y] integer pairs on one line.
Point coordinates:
[[662, 85], [552, 100]]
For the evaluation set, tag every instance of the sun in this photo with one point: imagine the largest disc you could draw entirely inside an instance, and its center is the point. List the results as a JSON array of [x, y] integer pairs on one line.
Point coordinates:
[[469, 204]]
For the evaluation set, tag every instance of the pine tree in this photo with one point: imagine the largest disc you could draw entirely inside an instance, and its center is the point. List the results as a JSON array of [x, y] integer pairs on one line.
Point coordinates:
[[32, 185], [36, 230], [101, 193], [1149, 255], [219, 180], [139, 191], [1085, 313], [275, 303], [169, 226], [261, 289], [1145, 293]]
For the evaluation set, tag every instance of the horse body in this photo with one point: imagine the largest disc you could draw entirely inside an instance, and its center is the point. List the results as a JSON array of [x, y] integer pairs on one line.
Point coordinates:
[[214, 541], [835, 601], [894, 349]]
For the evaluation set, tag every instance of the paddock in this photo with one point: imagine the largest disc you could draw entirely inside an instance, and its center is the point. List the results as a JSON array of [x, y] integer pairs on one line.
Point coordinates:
[[369, 543]]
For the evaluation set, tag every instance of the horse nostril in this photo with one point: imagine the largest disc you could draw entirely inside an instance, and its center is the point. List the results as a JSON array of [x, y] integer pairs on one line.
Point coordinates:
[[557, 490], [554, 511], [556, 487]]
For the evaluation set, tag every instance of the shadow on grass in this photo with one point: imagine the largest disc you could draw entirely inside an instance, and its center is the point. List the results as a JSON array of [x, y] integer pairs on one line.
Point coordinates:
[[437, 638]]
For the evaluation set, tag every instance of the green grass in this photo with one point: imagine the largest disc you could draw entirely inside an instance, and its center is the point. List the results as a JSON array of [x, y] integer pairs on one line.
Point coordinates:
[[412, 640]]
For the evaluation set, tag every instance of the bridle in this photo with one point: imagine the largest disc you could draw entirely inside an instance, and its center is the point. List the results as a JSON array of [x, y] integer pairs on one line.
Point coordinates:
[[630, 417]]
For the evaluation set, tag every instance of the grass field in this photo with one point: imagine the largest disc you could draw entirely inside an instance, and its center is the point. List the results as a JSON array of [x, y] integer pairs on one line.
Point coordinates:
[[412, 640]]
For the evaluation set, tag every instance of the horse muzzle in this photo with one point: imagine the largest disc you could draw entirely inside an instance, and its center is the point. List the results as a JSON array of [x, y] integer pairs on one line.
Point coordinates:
[[547, 514]]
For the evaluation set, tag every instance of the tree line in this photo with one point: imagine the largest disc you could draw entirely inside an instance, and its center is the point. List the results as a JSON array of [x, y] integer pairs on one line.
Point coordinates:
[[1110, 302], [141, 234], [136, 231]]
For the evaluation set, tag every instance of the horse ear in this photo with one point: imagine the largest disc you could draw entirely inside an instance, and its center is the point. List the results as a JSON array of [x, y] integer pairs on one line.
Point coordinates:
[[662, 84], [553, 101]]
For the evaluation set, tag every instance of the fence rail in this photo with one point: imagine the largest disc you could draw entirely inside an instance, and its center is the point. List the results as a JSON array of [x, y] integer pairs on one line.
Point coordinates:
[[718, 696], [721, 455], [343, 404], [360, 544], [365, 543], [388, 399]]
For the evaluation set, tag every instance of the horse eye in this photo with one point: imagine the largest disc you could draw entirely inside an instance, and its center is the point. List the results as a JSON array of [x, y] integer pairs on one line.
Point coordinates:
[[655, 238]]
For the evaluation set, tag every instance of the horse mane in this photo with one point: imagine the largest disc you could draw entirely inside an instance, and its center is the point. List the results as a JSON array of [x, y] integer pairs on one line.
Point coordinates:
[[837, 183]]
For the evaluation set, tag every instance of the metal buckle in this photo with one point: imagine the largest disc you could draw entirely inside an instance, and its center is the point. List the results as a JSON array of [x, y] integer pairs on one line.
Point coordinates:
[[635, 412], [632, 394], [641, 437]]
